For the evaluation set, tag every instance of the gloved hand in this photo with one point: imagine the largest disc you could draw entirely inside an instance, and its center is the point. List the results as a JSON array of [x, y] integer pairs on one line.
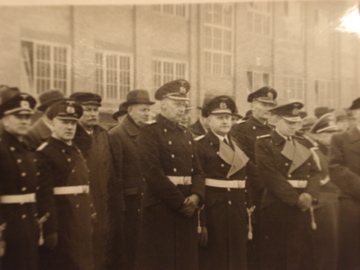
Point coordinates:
[[203, 237], [50, 241], [189, 206], [304, 202], [2, 248]]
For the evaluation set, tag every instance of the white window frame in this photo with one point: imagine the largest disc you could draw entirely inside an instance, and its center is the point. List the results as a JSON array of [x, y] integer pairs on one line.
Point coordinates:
[[172, 10], [104, 71], [218, 50], [253, 84], [162, 73], [293, 88], [259, 12], [33, 81]]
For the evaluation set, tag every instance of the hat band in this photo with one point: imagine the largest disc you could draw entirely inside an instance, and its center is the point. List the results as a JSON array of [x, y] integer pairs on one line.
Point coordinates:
[[13, 111], [221, 111], [139, 101]]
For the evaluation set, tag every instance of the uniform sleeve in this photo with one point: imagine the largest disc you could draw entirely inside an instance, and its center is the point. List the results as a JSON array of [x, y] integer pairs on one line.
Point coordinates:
[[156, 180], [274, 181], [340, 173], [45, 196]]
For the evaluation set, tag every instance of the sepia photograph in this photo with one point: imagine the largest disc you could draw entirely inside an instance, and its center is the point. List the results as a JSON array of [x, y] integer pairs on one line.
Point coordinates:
[[180, 135]]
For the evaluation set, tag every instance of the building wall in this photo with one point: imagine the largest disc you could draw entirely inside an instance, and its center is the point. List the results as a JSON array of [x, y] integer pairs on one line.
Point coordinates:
[[145, 34]]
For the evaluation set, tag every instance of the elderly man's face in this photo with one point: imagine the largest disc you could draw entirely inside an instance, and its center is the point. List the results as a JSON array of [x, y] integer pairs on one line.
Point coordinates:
[[173, 109], [286, 127], [17, 124], [260, 110], [139, 113]]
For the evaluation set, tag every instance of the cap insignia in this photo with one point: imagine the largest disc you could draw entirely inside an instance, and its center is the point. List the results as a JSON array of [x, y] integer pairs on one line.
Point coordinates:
[[182, 90], [70, 109], [223, 105], [295, 111], [270, 95], [24, 104]]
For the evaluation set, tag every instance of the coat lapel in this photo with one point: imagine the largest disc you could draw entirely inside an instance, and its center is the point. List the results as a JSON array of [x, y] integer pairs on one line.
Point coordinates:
[[301, 155], [239, 160]]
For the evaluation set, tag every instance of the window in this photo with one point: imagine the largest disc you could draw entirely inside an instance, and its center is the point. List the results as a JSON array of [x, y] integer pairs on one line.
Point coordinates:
[[292, 21], [293, 88], [179, 10], [46, 65], [167, 70], [258, 18], [218, 39], [256, 80], [113, 75], [326, 94]]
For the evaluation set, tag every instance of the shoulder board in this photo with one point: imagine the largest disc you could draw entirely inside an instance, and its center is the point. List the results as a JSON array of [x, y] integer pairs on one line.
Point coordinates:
[[263, 136], [198, 138], [42, 146], [241, 121], [151, 122]]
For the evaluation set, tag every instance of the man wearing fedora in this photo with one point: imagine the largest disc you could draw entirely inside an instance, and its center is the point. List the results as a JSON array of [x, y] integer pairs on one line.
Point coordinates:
[[345, 173], [174, 186], [127, 164], [121, 113], [18, 183], [93, 141], [40, 131]]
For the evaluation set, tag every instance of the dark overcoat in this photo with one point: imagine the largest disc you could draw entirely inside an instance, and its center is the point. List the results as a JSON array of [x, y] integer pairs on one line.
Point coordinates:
[[38, 133], [18, 175], [345, 173], [123, 141], [225, 208], [104, 190], [167, 239], [197, 129], [62, 165], [286, 232]]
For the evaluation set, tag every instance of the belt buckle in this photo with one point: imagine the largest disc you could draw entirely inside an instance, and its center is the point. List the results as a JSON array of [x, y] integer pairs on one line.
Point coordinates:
[[186, 180], [84, 189]]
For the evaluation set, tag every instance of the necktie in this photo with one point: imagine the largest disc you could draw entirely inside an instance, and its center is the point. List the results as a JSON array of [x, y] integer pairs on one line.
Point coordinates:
[[227, 142]]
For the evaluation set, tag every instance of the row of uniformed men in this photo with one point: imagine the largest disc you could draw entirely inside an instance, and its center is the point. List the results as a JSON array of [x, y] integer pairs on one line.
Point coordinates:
[[180, 176]]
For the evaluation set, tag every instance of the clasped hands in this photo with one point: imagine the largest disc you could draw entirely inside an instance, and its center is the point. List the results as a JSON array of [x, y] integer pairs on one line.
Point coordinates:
[[190, 205]]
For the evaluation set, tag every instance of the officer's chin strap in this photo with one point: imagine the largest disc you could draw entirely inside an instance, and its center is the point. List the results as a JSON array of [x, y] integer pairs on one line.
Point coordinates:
[[41, 222], [2, 242], [313, 223], [249, 212]]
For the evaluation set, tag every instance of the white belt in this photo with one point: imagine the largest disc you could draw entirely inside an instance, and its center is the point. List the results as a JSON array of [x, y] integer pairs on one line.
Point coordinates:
[[298, 183], [180, 180], [71, 190], [20, 198], [225, 183], [324, 181]]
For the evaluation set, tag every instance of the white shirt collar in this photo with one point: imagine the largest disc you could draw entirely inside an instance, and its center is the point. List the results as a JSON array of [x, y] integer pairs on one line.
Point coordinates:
[[221, 138], [285, 137]]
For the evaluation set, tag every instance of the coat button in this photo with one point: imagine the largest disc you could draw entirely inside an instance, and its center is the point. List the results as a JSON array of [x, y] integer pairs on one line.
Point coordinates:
[[37, 188], [12, 148], [254, 127], [309, 164], [222, 165], [170, 142], [78, 205], [175, 170], [165, 130], [217, 153], [23, 189], [229, 202], [289, 175], [308, 176], [19, 160], [192, 156], [38, 173], [190, 142], [63, 150], [35, 160], [23, 174], [23, 216], [72, 170], [286, 164], [192, 169], [228, 189], [172, 155], [69, 159]]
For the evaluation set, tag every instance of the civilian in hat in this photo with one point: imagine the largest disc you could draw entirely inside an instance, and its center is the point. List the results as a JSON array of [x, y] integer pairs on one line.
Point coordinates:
[[174, 186], [226, 168], [40, 131], [127, 165], [326, 211], [121, 113], [201, 126], [345, 173], [64, 194], [291, 178], [18, 181], [320, 111], [246, 133], [93, 141], [341, 119]]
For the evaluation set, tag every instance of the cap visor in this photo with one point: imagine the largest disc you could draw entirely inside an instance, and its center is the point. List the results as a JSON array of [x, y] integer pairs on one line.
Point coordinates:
[[21, 111], [292, 119], [67, 118], [177, 98]]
